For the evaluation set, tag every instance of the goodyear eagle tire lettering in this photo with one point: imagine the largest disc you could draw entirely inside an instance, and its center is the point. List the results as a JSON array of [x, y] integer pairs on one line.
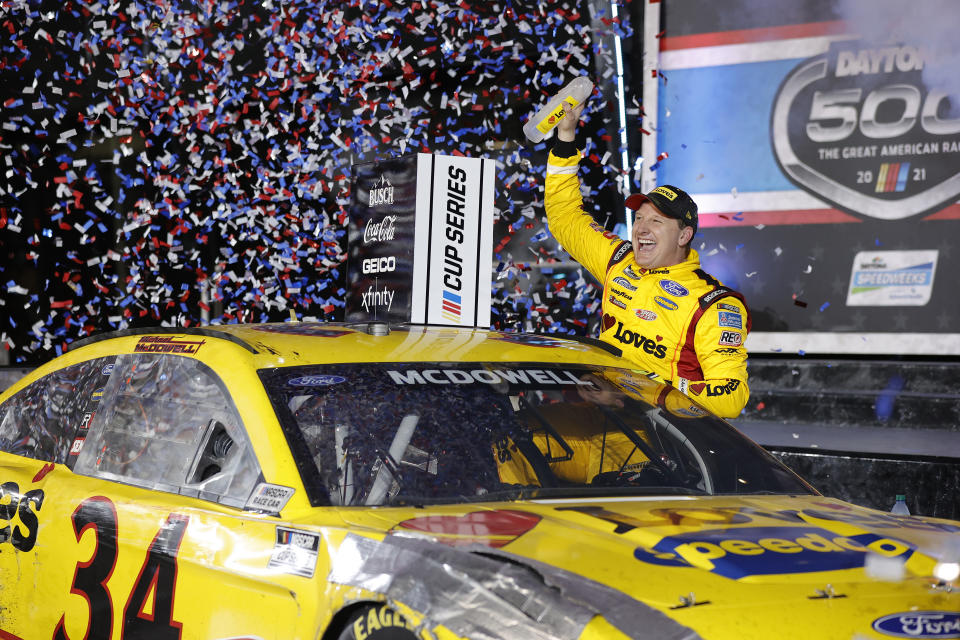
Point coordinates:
[[378, 623]]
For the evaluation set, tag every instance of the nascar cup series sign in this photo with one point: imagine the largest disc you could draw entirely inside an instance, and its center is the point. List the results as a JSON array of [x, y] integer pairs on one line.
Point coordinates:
[[858, 126], [421, 241]]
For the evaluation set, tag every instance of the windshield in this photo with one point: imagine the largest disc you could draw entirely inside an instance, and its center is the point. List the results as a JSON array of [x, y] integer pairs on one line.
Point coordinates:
[[419, 433]]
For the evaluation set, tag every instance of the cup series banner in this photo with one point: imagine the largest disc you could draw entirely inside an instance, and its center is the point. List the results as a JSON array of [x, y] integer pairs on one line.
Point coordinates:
[[821, 141], [421, 241]]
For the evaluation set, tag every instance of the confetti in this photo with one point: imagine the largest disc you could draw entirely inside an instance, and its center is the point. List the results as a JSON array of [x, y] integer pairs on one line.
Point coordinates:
[[191, 162]]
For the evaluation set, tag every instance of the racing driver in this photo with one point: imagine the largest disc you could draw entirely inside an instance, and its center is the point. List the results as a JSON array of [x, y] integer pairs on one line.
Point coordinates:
[[662, 310]]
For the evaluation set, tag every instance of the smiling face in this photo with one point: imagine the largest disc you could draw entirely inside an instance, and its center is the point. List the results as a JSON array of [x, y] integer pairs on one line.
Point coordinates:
[[658, 241]]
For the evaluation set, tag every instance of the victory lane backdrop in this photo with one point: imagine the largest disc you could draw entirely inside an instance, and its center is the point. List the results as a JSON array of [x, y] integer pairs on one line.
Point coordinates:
[[828, 168], [190, 162]]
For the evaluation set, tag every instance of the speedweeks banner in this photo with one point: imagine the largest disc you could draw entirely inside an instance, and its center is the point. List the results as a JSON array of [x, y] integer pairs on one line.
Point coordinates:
[[421, 241], [821, 141]]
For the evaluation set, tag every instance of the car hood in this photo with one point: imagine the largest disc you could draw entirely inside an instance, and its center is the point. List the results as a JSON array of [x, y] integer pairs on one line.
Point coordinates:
[[698, 560]]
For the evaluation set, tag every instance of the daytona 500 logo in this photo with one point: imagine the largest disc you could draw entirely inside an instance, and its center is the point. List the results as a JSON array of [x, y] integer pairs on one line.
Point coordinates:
[[859, 127]]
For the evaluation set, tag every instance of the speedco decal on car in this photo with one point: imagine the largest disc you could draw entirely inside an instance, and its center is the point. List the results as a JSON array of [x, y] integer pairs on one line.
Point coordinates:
[[920, 624], [751, 551], [861, 127]]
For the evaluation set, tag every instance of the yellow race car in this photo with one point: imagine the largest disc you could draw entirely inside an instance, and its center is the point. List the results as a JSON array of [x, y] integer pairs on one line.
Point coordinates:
[[322, 481]]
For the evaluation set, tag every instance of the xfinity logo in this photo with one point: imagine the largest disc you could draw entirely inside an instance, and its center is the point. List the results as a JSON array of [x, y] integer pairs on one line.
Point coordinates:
[[374, 297], [378, 265], [381, 193], [859, 127]]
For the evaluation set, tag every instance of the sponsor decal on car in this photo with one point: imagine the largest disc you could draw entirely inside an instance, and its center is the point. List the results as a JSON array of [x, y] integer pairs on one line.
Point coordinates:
[[318, 380], [167, 344], [666, 303], [919, 624], [731, 339], [733, 320], [295, 551], [496, 528], [626, 284], [644, 314], [18, 516], [751, 551], [534, 340], [674, 288], [271, 498], [302, 329]]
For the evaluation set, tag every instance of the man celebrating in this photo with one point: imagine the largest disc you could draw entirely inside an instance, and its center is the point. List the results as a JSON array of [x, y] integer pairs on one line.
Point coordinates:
[[660, 308]]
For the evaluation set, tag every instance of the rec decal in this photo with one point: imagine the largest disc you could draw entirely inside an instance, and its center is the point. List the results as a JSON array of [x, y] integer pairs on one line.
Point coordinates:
[[861, 127], [731, 339]]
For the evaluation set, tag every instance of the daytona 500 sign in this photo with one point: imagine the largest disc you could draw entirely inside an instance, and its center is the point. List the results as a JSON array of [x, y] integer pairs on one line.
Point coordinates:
[[857, 126]]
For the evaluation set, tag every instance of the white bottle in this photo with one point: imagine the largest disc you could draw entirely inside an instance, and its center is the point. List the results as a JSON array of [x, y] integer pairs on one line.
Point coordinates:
[[543, 122], [900, 506]]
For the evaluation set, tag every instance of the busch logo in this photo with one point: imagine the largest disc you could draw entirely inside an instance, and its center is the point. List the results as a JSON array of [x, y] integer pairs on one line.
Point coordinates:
[[858, 127], [378, 265], [379, 231], [382, 193]]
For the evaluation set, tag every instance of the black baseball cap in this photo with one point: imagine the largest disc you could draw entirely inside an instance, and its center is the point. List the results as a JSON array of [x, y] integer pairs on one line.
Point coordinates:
[[671, 201]]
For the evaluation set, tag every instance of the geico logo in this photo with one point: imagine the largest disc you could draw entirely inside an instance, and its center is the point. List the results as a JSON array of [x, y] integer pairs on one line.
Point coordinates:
[[735, 553], [378, 265]]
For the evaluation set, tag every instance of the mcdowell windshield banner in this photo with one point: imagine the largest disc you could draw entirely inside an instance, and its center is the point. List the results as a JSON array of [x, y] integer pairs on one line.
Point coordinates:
[[421, 241], [821, 141]]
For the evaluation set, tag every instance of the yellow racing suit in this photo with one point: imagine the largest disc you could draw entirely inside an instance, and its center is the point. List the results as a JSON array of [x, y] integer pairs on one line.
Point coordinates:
[[677, 322]]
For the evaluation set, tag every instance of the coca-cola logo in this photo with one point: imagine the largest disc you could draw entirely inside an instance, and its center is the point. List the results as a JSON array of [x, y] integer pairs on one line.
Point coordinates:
[[379, 231], [859, 127]]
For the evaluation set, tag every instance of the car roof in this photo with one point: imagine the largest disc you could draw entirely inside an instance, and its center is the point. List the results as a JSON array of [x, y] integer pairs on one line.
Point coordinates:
[[300, 343]]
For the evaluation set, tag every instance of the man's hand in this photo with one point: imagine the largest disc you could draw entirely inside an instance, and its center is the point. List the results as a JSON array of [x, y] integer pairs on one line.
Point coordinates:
[[567, 127]]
